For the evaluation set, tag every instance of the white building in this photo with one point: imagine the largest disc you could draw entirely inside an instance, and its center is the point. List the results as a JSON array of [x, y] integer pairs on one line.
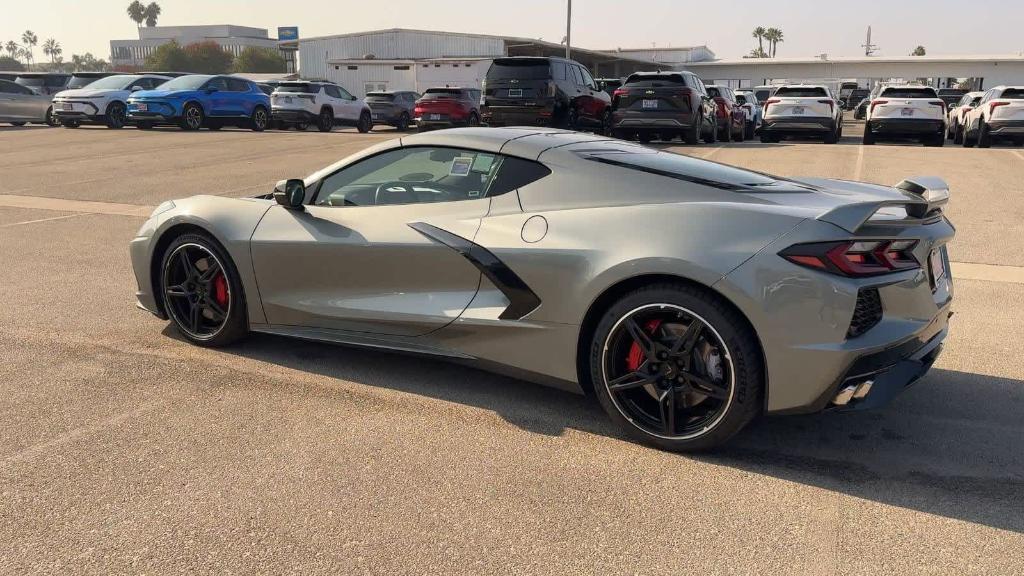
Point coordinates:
[[234, 39], [670, 55], [404, 59]]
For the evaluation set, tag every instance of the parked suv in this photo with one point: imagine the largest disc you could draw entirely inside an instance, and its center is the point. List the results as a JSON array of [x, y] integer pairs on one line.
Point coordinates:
[[906, 111], [103, 101], [752, 109], [44, 82], [394, 108], [529, 91], [666, 104], [199, 100], [324, 104], [441, 107], [730, 117], [855, 97], [802, 110], [958, 113], [999, 114], [83, 79]]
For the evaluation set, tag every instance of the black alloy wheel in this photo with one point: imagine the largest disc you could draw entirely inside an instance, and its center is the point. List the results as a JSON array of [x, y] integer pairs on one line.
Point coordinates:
[[606, 123], [572, 119], [50, 119], [474, 120], [260, 119], [692, 136], [192, 117], [366, 123], [117, 115], [325, 122], [201, 291], [676, 367], [403, 122]]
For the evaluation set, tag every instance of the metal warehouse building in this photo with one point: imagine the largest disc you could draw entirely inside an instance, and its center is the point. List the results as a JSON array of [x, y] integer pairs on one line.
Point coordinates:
[[404, 59]]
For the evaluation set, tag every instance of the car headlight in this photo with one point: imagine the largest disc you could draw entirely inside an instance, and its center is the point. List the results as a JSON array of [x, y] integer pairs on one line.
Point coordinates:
[[163, 207]]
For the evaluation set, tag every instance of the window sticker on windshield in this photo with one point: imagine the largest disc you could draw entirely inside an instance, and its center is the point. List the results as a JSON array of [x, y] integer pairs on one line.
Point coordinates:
[[482, 163], [461, 166]]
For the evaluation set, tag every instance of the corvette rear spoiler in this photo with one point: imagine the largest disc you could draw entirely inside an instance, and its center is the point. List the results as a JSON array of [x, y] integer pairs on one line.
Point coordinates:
[[924, 198]]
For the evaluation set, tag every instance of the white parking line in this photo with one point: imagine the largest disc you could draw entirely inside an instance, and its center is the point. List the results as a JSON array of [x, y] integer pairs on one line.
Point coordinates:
[[1017, 154], [860, 163], [66, 205], [713, 151], [44, 219], [987, 272]]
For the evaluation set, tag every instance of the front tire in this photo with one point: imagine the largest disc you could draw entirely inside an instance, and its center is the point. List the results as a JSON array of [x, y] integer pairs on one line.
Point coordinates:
[[202, 291], [366, 123], [403, 122], [676, 367], [191, 117], [116, 115]]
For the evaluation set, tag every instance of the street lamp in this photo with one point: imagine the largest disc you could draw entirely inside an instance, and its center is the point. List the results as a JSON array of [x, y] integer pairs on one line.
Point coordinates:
[[568, 31]]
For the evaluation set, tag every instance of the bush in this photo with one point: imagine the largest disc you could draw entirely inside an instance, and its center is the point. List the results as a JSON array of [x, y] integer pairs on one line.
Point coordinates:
[[208, 58], [254, 59], [10, 64], [169, 58]]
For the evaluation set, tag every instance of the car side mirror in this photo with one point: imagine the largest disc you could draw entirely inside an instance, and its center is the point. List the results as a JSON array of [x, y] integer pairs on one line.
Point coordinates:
[[136, 88], [291, 194]]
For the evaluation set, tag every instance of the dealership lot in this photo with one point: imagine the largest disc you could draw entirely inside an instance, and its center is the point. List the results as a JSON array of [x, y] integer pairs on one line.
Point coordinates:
[[126, 450]]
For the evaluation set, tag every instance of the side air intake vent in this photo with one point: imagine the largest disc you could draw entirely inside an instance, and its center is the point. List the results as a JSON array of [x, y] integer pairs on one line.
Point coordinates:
[[867, 313]]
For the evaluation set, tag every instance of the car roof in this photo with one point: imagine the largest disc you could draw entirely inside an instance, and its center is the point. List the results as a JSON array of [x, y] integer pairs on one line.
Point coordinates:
[[41, 74], [802, 86]]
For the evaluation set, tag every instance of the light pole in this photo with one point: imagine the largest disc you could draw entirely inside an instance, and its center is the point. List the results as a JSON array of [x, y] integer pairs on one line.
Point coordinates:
[[568, 31]]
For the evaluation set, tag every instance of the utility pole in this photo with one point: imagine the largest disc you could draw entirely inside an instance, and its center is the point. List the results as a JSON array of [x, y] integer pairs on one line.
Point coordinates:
[[568, 31]]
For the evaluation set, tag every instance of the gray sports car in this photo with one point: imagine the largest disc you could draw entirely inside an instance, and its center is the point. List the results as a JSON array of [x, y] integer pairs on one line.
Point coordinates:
[[688, 296]]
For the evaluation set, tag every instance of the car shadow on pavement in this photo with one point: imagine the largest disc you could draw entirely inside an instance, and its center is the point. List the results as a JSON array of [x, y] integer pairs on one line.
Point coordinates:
[[950, 446]]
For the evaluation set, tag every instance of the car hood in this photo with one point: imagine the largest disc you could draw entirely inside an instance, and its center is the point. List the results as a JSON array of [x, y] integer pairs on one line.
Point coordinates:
[[87, 93], [164, 93]]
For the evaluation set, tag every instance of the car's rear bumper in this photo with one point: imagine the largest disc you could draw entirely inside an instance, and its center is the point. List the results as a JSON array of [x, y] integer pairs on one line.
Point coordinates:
[[292, 115], [1006, 127], [911, 126], [517, 115], [798, 124], [651, 120]]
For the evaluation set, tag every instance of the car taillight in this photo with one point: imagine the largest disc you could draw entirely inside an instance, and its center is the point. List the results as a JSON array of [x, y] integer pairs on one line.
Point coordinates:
[[418, 110], [770, 102], [855, 258], [876, 103], [620, 92], [992, 106], [831, 104], [938, 103]]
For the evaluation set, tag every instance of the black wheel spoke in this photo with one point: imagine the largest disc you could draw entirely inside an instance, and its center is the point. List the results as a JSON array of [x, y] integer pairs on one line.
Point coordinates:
[[641, 338], [216, 310], [186, 265], [193, 317], [177, 291], [667, 405], [684, 345], [212, 268], [707, 387], [630, 381]]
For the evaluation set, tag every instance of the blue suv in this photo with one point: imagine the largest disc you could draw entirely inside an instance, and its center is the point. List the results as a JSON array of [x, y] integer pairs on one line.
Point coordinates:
[[199, 100]]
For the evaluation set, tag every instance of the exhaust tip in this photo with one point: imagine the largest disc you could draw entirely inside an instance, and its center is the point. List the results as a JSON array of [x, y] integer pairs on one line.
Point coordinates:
[[851, 392]]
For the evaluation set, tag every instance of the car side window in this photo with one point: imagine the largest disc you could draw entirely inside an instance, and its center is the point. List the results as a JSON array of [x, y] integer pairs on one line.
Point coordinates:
[[576, 74], [413, 175], [588, 80], [558, 70], [343, 94], [14, 88], [332, 91], [237, 85], [218, 83]]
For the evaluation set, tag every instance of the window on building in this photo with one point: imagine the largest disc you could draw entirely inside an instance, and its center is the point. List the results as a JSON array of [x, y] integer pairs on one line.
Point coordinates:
[[353, 67], [401, 67]]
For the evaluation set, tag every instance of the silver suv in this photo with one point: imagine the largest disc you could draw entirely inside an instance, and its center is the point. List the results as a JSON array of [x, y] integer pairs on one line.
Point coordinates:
[[323, 104]]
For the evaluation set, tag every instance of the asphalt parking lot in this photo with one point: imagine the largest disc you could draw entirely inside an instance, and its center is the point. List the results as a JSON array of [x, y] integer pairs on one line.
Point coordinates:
[[126, 450]]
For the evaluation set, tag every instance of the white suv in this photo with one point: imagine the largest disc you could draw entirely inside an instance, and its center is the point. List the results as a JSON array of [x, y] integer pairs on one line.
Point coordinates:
[[103, 100], [908, 111], [802, 109], [999, 114], [324, 104]]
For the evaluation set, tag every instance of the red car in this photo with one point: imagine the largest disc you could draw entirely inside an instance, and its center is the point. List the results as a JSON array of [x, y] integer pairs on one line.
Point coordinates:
[[444, 107], [731, 118]]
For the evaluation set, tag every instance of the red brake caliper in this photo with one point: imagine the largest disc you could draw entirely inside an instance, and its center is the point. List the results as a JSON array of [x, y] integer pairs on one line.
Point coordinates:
[[220, 290], [636, 356]]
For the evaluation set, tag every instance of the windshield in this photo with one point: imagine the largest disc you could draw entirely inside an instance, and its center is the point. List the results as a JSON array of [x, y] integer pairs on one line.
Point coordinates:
[[910, 92], [191, 82], [81, 81], [800, 92], [33, 81], [111, 82], [528, 69], [1013, 94], [441, 93], [655, 81], [762, 95], [379, 97]]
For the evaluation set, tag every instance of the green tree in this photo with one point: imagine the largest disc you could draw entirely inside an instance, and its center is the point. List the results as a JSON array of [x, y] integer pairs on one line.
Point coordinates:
[[88, 62], [29, 39], [919, 51], [10, 64], [12, 49], [169, 57], [759, 34], [137, 12], [151, 13], [208, 58], [774, 36], [254, 59], [52, 49]]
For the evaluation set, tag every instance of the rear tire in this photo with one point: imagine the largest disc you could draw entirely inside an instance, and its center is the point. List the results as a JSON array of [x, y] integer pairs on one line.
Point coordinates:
[[958, 134], [869, 136], [692, 136], [643, 136], [259, 120], [712, 135], [403, 122], [832, 137], [984, 135], [725, 135], [749, 131], [70, 123], [325, 121], [366, 122], [19, 124], [143, 125], [724, 335]]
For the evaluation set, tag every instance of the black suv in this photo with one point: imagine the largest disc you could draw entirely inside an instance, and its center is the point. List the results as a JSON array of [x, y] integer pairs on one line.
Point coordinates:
[[529, 91], [394, 108], [664, 104]]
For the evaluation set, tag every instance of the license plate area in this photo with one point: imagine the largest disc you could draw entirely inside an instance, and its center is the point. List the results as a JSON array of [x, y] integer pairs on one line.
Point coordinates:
[[650, 104], [66, 106], [515, 93], [143, 107], [798, 110], [907, 112], [433, 117]]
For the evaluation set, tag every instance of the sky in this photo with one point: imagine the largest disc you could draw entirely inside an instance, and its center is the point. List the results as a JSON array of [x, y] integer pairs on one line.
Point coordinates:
[[836, 28]]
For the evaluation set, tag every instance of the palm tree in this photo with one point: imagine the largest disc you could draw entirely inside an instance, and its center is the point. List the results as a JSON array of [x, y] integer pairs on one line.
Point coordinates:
[[774, 36], [759, 34], [12, 48], [30, 39], [151, 13], [919, 51], [137, 12], [52, 49]]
